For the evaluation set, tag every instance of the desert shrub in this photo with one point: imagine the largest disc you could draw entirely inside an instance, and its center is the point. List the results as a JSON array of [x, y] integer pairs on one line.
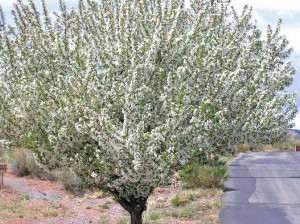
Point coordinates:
[[243, 148], [70, 181], [288, 146], [22, 163], [195, 175], [276, 145], [270, 148], [2, 155], [281, 146]]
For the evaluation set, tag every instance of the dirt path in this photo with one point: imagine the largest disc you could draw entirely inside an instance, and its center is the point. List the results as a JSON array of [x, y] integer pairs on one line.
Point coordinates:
[[62, 207], [34, 189]]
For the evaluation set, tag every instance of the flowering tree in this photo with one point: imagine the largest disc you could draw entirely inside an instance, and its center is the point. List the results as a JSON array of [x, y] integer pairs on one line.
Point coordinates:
[[124, 92], [247, 76]]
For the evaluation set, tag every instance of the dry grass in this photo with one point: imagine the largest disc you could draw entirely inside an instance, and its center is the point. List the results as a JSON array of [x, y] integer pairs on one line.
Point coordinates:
[[196, 206], [199, 206], [70, 181], [95, 195], [23, 208], [22, 163]]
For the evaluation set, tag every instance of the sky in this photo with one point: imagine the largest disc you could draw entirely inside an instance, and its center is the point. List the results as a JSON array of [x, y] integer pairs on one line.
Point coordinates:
[[264, 11]]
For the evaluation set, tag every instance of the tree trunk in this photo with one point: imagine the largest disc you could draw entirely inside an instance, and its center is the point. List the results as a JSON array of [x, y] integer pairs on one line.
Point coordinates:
[[136, 217], [135, 207]]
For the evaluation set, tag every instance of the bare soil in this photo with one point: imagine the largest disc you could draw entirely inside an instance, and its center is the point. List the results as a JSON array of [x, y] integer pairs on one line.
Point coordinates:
[[63, 208]]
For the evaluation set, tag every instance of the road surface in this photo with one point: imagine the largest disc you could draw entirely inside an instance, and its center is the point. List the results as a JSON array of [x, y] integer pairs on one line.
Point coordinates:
[[264, 188]]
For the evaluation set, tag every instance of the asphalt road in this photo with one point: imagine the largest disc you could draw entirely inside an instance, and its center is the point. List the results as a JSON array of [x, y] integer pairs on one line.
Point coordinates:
[[264, 188]]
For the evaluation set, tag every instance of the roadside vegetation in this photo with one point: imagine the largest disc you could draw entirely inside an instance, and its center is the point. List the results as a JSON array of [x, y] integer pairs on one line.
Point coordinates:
[[194, 195], [197, 204], [195, 198], [288, 144]]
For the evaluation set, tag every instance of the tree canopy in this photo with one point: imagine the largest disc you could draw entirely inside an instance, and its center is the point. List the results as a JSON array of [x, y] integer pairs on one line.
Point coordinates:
[[125, 92]]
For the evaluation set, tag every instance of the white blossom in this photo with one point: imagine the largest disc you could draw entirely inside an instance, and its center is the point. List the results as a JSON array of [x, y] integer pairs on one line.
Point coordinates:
[[126, 91]]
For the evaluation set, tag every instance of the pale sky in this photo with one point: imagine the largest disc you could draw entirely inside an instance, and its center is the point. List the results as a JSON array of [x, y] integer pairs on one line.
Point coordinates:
[[268, 12], [265, 12]]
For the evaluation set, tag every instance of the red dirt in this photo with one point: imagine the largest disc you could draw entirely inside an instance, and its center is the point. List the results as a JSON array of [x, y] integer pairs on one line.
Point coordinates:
[[35, 201], [66, 209]]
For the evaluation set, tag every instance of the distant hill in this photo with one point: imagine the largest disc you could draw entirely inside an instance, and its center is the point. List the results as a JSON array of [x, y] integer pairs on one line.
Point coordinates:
[[296, 131]]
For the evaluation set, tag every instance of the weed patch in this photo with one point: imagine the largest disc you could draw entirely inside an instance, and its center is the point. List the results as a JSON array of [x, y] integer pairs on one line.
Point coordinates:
[[195, 175], [197, 204], [181, 199]]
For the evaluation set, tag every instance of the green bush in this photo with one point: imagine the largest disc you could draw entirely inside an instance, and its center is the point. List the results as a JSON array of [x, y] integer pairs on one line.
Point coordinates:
[[182, 199], [195, 175]]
